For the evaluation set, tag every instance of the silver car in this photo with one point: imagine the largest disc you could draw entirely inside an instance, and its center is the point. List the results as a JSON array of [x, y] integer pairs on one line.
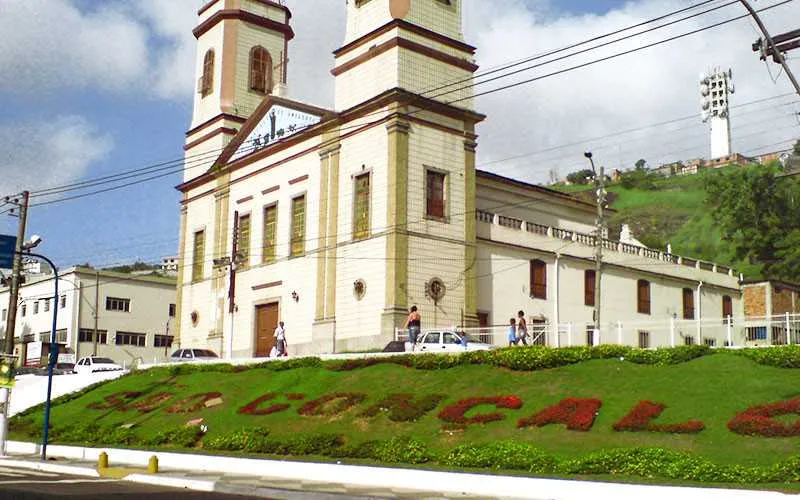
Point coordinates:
[[193, 355]]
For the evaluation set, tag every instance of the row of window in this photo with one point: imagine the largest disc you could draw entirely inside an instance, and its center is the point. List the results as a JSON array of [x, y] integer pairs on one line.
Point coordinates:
[[261, 69], [435, 207], [538, 287], [125, 338], [112, 304], [23, 310]]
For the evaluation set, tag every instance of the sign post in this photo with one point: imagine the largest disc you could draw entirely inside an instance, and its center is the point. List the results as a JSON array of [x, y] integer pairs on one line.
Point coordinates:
[[8, 245]]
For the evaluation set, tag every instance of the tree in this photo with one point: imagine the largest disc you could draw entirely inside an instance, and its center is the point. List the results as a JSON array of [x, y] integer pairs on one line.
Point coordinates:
[[757, 213], [581, 176], [641, 164], [797, 149]]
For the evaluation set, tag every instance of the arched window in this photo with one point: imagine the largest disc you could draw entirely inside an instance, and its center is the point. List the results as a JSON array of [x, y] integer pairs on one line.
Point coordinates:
[[260, 70], [538, 279], [643, 296], [207, 80]]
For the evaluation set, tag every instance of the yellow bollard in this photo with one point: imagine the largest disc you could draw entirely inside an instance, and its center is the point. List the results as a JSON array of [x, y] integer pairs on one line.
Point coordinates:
[[152, 465], [102, 461]]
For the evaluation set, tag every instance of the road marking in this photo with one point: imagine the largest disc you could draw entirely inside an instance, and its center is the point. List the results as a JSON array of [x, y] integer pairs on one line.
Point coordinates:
[[60, 481], [18, 473]]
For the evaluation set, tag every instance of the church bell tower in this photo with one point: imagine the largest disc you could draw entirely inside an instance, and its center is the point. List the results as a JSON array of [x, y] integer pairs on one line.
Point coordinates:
[[241, 57], [415, 45]]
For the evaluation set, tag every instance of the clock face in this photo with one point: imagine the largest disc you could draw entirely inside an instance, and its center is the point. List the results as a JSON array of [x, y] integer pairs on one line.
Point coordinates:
[[399, 8]]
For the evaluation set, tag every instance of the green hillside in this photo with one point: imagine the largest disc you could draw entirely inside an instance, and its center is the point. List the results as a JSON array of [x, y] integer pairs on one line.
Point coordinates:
[[422, 410], [673, 212]]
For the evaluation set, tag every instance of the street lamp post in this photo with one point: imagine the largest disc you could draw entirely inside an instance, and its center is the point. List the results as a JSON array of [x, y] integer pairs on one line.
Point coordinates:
[[53, 356], [600, 186]]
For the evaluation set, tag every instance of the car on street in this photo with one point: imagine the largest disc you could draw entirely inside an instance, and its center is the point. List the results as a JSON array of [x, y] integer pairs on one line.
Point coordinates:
[[94, 364], [194, 355], [448, 341]]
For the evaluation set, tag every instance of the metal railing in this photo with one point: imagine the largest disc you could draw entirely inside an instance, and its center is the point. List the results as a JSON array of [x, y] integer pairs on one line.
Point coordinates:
[[720, 332], [589, 240]]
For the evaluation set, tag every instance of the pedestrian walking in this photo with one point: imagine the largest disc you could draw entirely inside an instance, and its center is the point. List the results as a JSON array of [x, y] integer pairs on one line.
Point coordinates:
[[512, 332], [522, 328], [280, 340], [414, 325]]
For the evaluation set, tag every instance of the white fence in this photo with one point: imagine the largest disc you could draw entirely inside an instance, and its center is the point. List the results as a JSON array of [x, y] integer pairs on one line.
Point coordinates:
[[667, 332]]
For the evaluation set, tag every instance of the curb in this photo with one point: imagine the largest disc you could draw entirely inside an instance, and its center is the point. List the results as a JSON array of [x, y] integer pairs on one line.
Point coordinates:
[[172, 482], [72, 470]]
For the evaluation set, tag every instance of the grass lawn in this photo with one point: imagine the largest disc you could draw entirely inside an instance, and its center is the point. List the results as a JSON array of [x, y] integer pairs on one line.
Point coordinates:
[[712, 389]]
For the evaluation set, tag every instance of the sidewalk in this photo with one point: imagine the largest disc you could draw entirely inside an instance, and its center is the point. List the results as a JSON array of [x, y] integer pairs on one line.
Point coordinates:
[[295, 480], [232, 484]]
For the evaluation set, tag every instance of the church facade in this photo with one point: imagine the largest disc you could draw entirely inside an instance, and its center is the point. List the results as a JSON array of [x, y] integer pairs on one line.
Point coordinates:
[[336, 221]]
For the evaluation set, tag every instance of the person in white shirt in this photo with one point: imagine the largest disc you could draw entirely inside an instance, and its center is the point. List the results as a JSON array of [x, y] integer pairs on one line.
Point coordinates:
[[280, 340]]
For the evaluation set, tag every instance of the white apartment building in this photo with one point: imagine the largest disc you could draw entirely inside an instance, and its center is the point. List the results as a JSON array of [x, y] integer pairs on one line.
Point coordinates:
[[346, 217], [134, 316]]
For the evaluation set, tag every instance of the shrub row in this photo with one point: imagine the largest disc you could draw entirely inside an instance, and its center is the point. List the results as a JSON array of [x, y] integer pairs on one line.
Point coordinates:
[[639, 462], [256, 440], [504, 455]]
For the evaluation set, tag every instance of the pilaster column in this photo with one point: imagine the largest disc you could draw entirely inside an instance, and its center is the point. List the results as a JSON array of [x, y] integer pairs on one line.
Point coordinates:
[[181, 279], [397, 225]]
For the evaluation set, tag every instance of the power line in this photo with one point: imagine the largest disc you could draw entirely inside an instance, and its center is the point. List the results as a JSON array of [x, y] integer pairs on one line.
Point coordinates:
[[167, 165]]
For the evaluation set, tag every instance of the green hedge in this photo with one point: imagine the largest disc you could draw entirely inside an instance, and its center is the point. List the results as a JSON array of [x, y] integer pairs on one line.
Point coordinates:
[[646, 463]]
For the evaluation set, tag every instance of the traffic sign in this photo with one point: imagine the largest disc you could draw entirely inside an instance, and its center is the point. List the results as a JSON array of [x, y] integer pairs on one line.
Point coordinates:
[[8, 245]]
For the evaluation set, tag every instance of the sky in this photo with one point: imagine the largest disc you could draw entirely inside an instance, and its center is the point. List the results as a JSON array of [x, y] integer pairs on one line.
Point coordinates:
[[90, 88]]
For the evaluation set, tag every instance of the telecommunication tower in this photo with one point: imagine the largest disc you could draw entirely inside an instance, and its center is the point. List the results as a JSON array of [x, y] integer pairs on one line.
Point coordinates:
[[716, 87]]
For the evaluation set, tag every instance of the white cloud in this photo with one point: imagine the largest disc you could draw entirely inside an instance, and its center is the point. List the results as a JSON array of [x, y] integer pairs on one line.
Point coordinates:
[[632, 91], [49, 45], [57, 152], [147, 46]]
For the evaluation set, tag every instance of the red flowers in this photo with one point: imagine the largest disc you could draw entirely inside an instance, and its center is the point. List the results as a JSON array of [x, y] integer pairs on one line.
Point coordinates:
[[640, 418], [321, 407], [116, 401], [759, 420], [198, 402], [253, 407], [456, 413], [152, 402], [576, 414]]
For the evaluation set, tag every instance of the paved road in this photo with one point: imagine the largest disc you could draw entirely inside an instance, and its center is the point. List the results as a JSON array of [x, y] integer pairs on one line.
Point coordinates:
[[21, 484]]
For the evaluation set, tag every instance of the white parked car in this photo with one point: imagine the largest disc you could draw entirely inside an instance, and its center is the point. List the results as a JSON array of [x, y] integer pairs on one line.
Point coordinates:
[[94, 364], [448, 342]]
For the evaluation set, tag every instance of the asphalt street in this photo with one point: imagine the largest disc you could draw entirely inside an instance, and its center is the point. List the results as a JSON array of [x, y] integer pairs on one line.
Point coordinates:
[[20, 484]]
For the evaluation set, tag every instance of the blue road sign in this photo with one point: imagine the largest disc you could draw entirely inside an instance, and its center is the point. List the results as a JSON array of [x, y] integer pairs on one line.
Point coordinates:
[[8, 244]]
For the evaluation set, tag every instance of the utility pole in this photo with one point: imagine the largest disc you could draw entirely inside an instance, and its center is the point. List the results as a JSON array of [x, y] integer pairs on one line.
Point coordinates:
[[600, 226], [96, 310], [231, 262], [772, 47], [11, 321], [16, 273]]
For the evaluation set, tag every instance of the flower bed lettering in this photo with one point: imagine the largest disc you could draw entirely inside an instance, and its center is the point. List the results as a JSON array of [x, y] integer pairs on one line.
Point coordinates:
[[456, 413], [760, 420], [576, 414], [331, 404], [193, 403], [152, 402], [641, 418], [116, 401], [403, 407], [253, 408]]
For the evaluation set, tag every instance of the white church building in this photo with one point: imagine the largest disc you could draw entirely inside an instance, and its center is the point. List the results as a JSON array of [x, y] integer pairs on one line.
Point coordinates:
[[344, 218]]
